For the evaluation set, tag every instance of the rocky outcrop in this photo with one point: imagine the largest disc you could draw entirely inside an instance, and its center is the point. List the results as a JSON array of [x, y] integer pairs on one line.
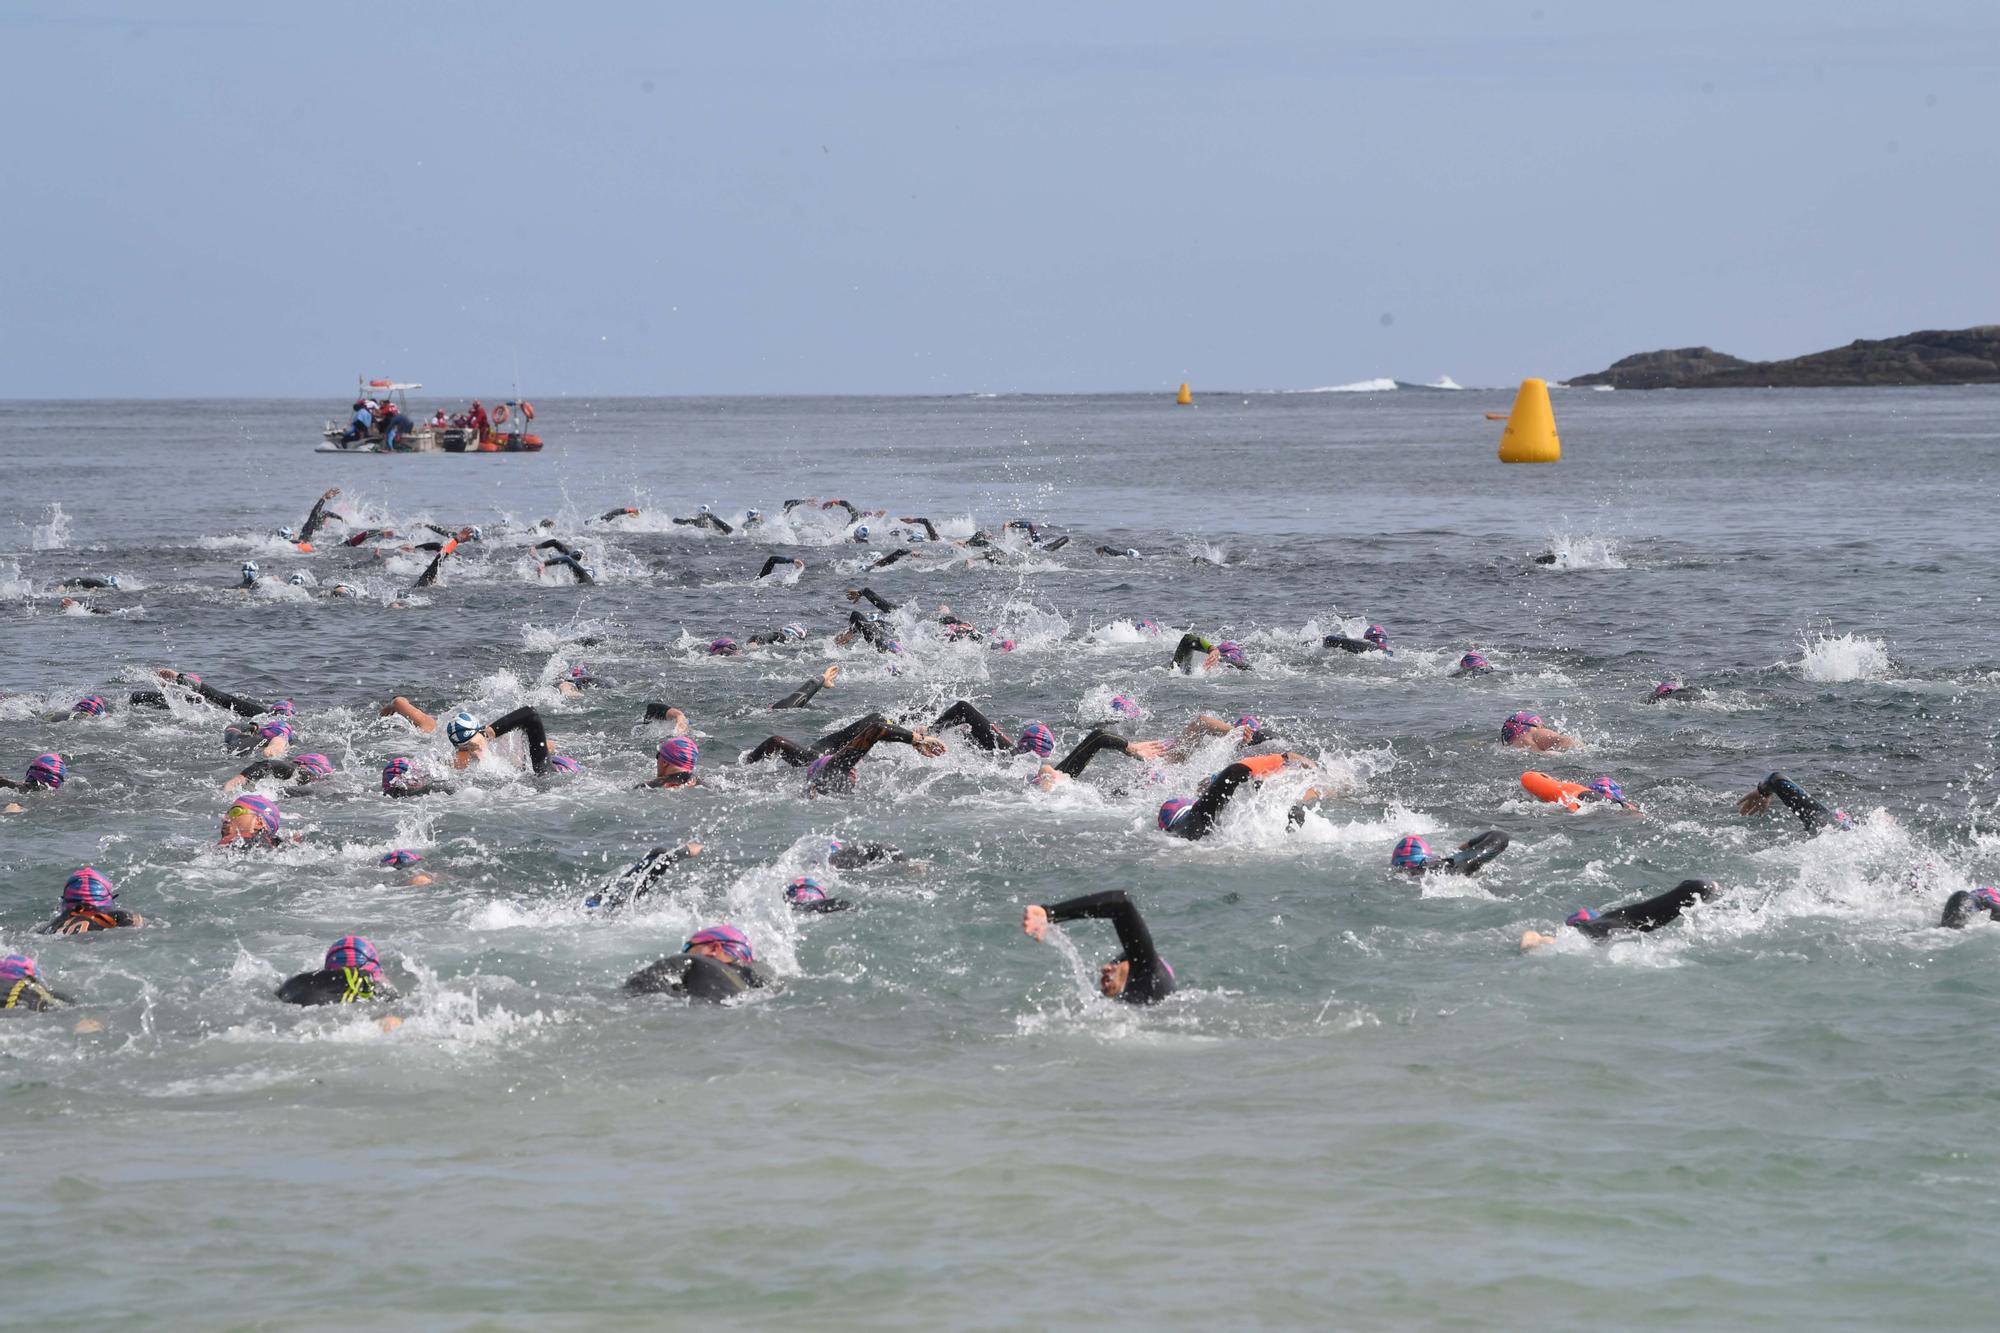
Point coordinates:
[[1940, 356]]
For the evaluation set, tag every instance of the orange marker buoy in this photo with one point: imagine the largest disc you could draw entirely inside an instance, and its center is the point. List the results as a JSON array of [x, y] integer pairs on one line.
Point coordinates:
[[1545, 788], [1531, 436], [1185, 399], [305, 548]]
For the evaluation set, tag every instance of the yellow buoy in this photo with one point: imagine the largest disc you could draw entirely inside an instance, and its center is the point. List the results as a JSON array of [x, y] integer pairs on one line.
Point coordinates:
[[1185, 397], [1531, 436]]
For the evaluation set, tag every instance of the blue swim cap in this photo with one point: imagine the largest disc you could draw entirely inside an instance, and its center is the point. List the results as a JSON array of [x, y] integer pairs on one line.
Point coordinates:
[[1171, 812], [249, 570], [275, 729], [351, 951], [861, 533], [733, 941], [1036, 738], [749, 514], [1410, 854], [87, 888], [298, 579], [288, 533], [1376, 635], [111, 581], [461, 729], [804, 889], [478, 533]]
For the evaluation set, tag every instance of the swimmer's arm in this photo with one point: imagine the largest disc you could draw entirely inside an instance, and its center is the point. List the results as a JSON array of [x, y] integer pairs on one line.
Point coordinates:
[[1135, 941], [409, 712], [876, 599], [282, 769], [803, 695]]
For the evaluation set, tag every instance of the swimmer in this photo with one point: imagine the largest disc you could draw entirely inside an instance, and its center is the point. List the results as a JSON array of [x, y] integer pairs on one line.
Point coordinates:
[[22, 987], [803, 695], [579, 679], [70, 604], [468, 736], [1413, 855], [1963, 905], [640, 878], [46, 772], [1072, 764], [429, 577], [930, 529], [855, 856], [1205, 726], [252, 821], [613, 515], [270, 740], [1374, 639], [780, 562], [402, 779], [1034, 739], [314, 520], [366, 535], [789, 632], [409, 862], [301, 772], [83, 710], [674, 764], [891, 557], [714, 965], [350, 974], [1138, 975], [1571, 795], [832, 772], [703, 518], [1194, 817], [800, 756], [1526, 731], [1472, 664], [1672, 691], [1811, 813], [92, 582], [248, 579], [724, 647], [89, 902], [1633, 918], [1225, 653], [874, 599], [669, 714], [872, 629], [191, 684], [566, 557], [806, 894], [1129, 553], [751, 518], [529, 723]]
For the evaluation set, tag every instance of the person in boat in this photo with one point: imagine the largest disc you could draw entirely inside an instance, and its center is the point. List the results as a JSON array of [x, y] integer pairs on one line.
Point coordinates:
[[395, 425], [480, 422], [1138, 975], [361, 425]]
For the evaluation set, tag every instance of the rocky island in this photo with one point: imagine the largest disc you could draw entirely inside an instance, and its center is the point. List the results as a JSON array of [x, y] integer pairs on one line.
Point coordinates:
[[1938, 356]]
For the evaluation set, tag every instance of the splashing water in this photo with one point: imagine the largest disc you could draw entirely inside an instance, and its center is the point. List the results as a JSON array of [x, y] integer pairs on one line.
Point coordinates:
[[1588, 551], [52, 533], [1830, 659]]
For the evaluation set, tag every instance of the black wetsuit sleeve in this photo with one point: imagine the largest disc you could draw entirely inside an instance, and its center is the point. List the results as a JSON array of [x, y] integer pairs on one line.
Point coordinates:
[[695, 977], [1810, 812], [1190, 644], [313, 520], [866, 735], [821, 905], [429, 576], [1077, 760], [555, 544], [879, 602], [855, 855], [1961, 907], [984, 734], [1661, 910], [891, 558], [1150, 979], [1346, 644], [224, 699], [771, 562], [573, 565], [870, 630], [1201, 816], [528, 722], [637, 880], [803, 695], [8, 784], [1474, 853], [779, 747], [282, 769]]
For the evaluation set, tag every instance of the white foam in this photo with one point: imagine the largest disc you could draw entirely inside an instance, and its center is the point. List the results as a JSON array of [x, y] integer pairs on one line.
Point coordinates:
[[1359, 386], [52, 533], [1832, 659]]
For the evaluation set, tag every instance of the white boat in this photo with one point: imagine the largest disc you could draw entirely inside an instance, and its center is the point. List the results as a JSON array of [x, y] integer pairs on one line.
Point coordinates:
[[507, 434]]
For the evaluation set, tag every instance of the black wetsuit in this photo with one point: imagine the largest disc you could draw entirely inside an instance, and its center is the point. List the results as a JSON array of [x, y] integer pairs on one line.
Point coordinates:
[[695, 977], [1056, 543], [83, 920], [1191, 644], [429, 576], [705, 520], [86, 581], [930, 529], [220, 698], [1198, 820], [1961, 907], [1678, 694], [833, 772], [1810, 812], [892, 557], [798, 756], [984, 734], [1472, 854], [875, 599], [413, 786], [29, 993], [284, 770], [1663, 910], [853, 514], [366, 535], [608, 515], [803, 695], [314, 519], [773, 562], [874, 632], [1347, 645], [638, 879], [529, 723], [335, 985], [568, 557], [821, 905], [1151, 980], [1073, 763], [861, 855], [1106, 550]]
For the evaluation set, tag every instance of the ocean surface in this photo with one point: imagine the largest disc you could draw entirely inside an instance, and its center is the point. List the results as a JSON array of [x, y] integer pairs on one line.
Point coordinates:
[[1365, 1109]]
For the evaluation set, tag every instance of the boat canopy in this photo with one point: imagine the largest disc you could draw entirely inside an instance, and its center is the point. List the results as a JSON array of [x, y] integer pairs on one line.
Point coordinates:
[[390, 386]]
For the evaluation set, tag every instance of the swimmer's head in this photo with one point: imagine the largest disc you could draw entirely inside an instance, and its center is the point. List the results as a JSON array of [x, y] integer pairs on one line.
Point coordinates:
[[111, 582], [723, 647], [462, 728], [249, 571], [478, 533], [86, 888], [563, 764], [342, 590], [805, 889], [1609, 789], [1518, 725], [277, 729], [1123, 707], [678, 754], [1231, 652], [18, 967], [1987, 897], [792, 631], [893, 646], [1843, 820], [1035, 739], [316, 764], [1412, 853], [1583, 916], [1172, 812], [298, 579], [90, 705], [288, 534], [722, 943], [252, 817], [702, 509], [1665, 688], [1474, 664], [401, 857], [1376, 635], [355, 953], [1132, 552], [284, 708], [1148, 627], [47, 770], [861, 533], [395, 773], [1249, 723]]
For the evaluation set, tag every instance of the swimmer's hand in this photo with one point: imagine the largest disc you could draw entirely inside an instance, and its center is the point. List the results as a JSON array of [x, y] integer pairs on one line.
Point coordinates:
[[331, 491], [1214, 656], [390, 1022], [88, 1025], [1304, 761], [694, 849], [1534, 939], [927, 745], [828, 676], [679, 719], [232, 785], [854, 594], [1034, 920], [1756, 803], [1048, 778], [1146, 749]]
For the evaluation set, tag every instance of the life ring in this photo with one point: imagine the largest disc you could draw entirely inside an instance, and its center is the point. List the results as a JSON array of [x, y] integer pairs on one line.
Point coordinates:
[[500, 415], [528, 411]]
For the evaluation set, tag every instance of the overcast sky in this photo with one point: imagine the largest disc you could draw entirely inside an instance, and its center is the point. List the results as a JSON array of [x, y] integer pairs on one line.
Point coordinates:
[[266, 199]]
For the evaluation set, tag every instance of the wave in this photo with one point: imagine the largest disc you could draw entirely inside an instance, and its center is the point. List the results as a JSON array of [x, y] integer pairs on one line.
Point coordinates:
[[1359, 386], [1441, 382]]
